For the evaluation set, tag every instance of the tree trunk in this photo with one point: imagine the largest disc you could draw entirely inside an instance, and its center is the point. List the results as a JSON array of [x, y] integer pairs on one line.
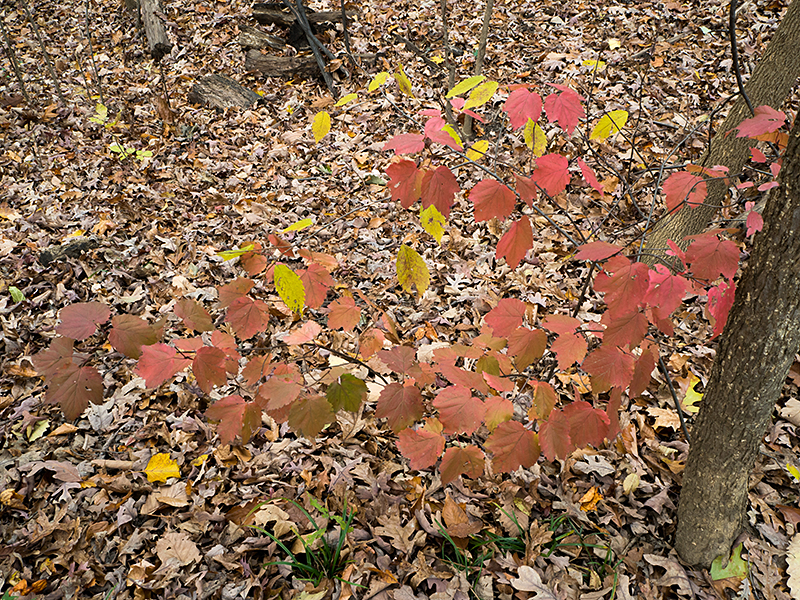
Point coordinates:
[[154, 29], [755, 352], [771, 82]]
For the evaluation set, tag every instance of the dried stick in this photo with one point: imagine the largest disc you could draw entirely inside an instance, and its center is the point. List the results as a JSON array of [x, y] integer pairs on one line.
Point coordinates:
[[47, 60], [487, 16], [14, 63]]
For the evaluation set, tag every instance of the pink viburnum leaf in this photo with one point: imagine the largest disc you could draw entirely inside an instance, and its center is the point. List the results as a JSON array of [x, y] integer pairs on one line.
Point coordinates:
[[554, 436], [755, 221], [208, 367], [279, 391], [439, 188], [303, 334], [492, 199], [543, 400], [766, 120], [405, 182], [399, 359], [513, 447], [564, 108], [526, 346], [79, 321], [666, 291], [316, 282], [229, 411], [624, 328], [458, 376], [757, 156], [344, 314], [457, 461], [569, 348], [247, 317], [72, 387], [498, 410], [459, 410], [434, 129], [405, 143], [597, 251], [720, 301], [57, 355], [560, 324], [193, 315], [129, 333], [711, 257], [643, 370], [587, 424], [309, 415], [609, 367], [159, 363], [590, 177], [626, 286], [552, 173], [522, 105], [682, 186], [506, 316], [516, 242], [257, 367], [526, 188], [234, 290], [498, 383], [421, 447], [401, 405]]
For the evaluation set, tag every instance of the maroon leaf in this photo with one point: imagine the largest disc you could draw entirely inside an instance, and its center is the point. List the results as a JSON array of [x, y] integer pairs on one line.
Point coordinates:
[[129, 333], [587, 425], [516, 242], [209, 368], [73, 387], [159, 363], [461, 461], [401, 405], [80, 321], [193, 315], [399, 359], [57, 356], [513, 447]]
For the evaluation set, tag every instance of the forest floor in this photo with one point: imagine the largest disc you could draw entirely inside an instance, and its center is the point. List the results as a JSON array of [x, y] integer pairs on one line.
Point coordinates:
[[79, 516]]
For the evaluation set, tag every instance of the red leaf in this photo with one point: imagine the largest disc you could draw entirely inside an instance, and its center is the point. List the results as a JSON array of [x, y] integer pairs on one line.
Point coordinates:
[[347, 392], [590, 177], [461, 461], [497, 383], [79, 321], [401, 405], [754, 220], [256, 368], [421, 447], [681, 186], [247, 317], [193, 315], [208, 367], [229, 411], [560, 324], [516, 242], [439, 188], [757, 156], [643, 370], [344, 314], [370, 342], [234, 290], [57, 356], [526, 188], [309, 415], [625, 289], [609, 367], [159, 363], [188, 345], [316, 281], [303, 334], [543, 400], [459, 411], [526, 346], [128, 334], [513, 447], [554, 436], [521, 106], [468, 379], [506, 316], [433, 130], [405, 182], [587, 425], [492, 199], [282, 245], [766, 120], [597, 251], [498, 410], [569, 348], [253, 262], [711, 257], [399, 359], [624, 328], [227, 343], [666, 291], [552, 174], [720, 301], [564, 108], [279, 391], [73, 387], [405, 143]]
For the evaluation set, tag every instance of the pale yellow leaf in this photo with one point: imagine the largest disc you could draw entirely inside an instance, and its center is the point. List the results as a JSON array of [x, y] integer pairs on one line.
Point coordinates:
[[793, 565], [433, 222], [609, 124], [161, 467], [412, 270], [377, 81], [290, 288], [481, 95], [403, 82], [597, 65], [299, 225], [692, 397], [478, 150], [321, 125], [535, 139], [465, 86], [448, 129], [345, 99], [613, 43]]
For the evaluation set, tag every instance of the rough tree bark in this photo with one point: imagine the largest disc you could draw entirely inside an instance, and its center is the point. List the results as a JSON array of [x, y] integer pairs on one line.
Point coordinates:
[[755, 352], [154, 29], [772, 81]]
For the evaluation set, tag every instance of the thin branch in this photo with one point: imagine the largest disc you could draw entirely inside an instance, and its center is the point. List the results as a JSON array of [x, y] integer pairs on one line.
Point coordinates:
[[47, 60]]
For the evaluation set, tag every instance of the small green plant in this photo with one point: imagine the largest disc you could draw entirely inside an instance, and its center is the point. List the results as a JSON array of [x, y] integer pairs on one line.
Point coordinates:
[[321, 558], [126, 151]]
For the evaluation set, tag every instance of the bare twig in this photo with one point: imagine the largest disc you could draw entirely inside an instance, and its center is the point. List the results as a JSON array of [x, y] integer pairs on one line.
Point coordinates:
[[47, 60], [487, 17], [13, 58]]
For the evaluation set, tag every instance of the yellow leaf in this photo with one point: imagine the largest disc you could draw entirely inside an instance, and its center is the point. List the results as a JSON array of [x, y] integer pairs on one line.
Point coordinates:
[[345, 99], [198, 462], [478, 150], [437, 59], [793, 471], [231, 254], [378, 81], [448, 129], [465, 86], [433, 222], [411, 270], [481, 95], [402, 81], [609, 124], [161, 467], [321, 125], [613, 43], [290, 288], [597, 65], [692, 397], [302, 224], [535, 139]]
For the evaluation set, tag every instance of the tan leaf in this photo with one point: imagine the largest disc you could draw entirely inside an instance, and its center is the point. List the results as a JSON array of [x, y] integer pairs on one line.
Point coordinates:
[[177, 549]]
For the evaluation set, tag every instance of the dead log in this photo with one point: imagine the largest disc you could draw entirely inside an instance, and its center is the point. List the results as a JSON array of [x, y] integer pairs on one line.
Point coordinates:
[[281, 66], [251, 38], [220, 91], [154, 29], [268, 13]]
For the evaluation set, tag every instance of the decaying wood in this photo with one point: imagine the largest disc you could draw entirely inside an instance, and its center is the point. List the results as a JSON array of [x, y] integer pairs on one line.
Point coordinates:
[[269, 14], [220, 91], [251, 38], [154, 29], [281, 66]]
